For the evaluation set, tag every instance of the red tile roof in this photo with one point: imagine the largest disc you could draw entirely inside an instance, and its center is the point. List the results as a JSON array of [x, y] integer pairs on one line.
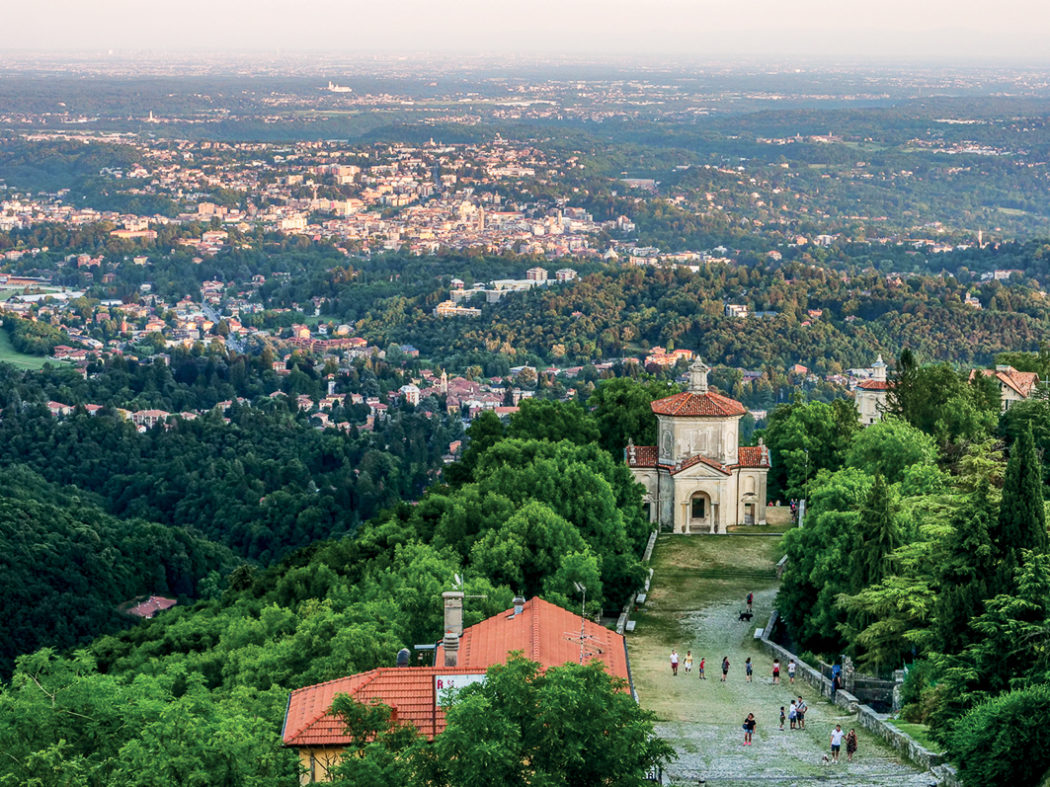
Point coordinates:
[[409, 691], [709, 404], [644, 456], [1023, 383], [753, 456], [544, 632], [151, 606], [696, 460], [874, 385]]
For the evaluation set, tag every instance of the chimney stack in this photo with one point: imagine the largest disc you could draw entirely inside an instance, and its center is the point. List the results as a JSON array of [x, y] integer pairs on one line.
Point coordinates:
[[453, 625], [519, 605]]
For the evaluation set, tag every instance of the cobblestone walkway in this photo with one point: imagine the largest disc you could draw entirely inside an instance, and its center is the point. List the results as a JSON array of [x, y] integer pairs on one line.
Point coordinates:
[[702, 718]]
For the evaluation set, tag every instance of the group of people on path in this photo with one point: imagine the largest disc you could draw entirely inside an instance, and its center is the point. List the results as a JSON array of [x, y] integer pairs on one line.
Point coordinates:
[[796, 716], [749, 667], [688, 663]]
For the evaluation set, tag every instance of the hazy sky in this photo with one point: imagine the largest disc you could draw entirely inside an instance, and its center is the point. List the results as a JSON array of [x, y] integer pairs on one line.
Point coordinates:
[[960, 30]]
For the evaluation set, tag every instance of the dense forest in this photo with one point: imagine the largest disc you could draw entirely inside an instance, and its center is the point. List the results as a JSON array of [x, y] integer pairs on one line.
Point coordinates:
[[621, 311], [535, 505]]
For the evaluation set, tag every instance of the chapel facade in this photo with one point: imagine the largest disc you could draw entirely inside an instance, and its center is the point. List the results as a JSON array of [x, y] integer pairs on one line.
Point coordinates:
[[698, 478], [871, 394]]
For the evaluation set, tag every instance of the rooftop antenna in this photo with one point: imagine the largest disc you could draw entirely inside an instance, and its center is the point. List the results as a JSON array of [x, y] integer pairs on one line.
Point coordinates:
[[583, 637]]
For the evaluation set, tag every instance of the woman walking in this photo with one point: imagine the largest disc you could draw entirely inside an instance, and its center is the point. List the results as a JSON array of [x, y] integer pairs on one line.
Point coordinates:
[[851, 745], [776, 671], [725, 668], [748, 669]]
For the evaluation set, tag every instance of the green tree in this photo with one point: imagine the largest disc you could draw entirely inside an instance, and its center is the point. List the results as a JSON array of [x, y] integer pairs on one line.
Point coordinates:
[[543, 419], [965, 570], [527, 549], [805, 439], [622, 408], [1022, 516], [889, 447], [568, 725], [1003, 740]]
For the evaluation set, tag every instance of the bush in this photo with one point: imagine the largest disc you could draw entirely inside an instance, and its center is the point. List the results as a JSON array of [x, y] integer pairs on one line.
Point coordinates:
[[1005, 740], [915, 686]]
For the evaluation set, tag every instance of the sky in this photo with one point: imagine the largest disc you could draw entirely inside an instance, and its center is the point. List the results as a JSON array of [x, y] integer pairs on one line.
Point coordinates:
[[960, 31]]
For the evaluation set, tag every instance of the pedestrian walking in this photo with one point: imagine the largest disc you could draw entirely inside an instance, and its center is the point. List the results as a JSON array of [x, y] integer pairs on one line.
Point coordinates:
[[836, 742], [725, 668], [689, 661], [674, 662], [782, 717], [791, 671], [851, 745], [776, 671], [749, 728], [793, 714], [800, 713], [748, 667], [700, 670], [750, 600]]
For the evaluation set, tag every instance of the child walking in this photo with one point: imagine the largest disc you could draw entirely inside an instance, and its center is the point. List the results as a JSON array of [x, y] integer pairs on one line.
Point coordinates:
[[782, 717], [689, 661], [700, 670], [749, 728]]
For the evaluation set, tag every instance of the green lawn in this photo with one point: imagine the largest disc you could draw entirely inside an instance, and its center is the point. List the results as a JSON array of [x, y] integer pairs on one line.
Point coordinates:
[[9, 354]]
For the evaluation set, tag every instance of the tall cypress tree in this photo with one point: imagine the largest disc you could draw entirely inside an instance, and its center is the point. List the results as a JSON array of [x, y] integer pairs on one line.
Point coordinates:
[[1022, 519], [903, 394], [969, 566], [876, 536]]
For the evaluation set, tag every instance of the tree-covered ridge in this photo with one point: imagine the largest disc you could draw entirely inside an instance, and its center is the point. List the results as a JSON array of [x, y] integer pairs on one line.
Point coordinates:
[[527, 513], [68, 567], [622, 311]]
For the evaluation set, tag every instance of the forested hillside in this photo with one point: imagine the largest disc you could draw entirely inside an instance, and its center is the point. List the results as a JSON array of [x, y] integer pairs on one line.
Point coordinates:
[[925, 547], [68, 567], [535, 506]]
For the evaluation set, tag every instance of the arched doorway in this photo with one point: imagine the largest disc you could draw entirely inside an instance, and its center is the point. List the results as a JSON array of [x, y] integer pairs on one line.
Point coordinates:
[[700, 514]]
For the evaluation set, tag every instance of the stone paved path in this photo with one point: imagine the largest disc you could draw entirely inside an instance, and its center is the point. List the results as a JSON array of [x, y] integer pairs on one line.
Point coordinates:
[[694, 604]]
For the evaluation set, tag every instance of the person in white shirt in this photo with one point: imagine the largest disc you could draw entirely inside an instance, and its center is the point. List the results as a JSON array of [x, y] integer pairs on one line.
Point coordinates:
[[836, 742], [674, 662]]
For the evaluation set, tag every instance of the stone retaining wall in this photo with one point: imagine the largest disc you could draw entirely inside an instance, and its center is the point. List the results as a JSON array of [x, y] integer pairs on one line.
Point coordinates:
[[876, 723], [625, 615]]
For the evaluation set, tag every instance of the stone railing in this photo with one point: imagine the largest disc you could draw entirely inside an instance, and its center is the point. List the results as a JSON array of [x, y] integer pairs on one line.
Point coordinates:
[[867, 717]]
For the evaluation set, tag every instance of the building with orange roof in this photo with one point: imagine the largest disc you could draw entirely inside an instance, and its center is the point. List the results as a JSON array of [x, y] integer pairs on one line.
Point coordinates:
[[541, 631], [1014, 386], [698, 479]]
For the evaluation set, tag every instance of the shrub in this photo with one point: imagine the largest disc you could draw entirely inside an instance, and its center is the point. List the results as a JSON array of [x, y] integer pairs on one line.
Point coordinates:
[[1005, 740]]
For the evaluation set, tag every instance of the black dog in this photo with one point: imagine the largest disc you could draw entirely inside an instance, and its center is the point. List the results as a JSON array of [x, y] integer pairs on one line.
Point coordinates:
[[746, 616]]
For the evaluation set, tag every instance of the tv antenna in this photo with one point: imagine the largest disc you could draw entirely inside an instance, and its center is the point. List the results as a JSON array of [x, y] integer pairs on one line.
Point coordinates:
[[583, 637]]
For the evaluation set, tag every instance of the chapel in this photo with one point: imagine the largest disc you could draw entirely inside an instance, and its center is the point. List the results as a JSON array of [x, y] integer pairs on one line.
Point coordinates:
[[698, 478]]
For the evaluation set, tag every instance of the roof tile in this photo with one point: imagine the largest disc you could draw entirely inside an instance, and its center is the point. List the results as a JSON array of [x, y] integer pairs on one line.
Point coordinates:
[[705, 404]]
